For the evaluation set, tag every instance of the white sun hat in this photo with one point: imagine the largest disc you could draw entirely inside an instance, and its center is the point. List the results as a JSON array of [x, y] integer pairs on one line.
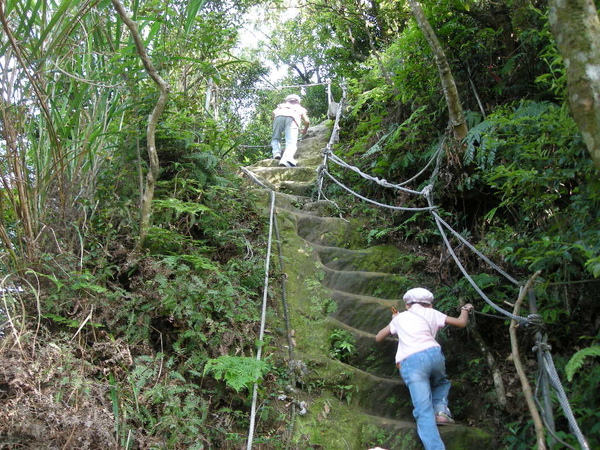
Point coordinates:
[[418, 295]]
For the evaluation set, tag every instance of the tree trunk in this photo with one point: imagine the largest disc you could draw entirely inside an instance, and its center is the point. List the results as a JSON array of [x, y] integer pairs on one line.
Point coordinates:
[[152, 175], [455, 111], [576, 28]]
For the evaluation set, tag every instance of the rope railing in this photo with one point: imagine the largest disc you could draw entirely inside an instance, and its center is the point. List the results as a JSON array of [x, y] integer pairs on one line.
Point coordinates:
[[477, 252], [262, 320], [273, 87], [273, 228], [374, 202], [333, 139], [562, 396], [532, 321], [440, 223], [475, 286], [379, 181]]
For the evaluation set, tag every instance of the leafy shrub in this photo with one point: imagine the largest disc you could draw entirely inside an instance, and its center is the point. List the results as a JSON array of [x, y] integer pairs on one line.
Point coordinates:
[[342, 345]]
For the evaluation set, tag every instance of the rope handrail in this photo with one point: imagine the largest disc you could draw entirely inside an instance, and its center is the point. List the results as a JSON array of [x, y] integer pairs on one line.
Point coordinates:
[[440, 223], [532, 321], [562, 396], [519, 319], [379, 181], [397, 208], [262, 321], [272, 87], [425, 167], [492, 264]]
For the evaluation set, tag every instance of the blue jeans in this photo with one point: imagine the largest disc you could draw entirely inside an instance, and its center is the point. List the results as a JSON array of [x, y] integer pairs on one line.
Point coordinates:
[[425, 375], [285, 125]]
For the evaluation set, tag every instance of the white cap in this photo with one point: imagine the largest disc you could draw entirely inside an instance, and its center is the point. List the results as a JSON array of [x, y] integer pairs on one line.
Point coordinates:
[[418, 295], [293, 97]]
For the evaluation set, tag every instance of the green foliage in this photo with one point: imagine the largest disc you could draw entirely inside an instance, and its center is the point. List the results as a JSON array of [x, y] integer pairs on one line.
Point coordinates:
[[342, 345], [168, 406], [192, 297], [532, 157], [239, 372], [519, 435], [577, 360], [71, 323], [494, 286]]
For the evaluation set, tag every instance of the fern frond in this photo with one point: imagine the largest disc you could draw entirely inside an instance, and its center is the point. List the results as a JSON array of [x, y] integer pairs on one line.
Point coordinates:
[[476, 139], [578, 359]]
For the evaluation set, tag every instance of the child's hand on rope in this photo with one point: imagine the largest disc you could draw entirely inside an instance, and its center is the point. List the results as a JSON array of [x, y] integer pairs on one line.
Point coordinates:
[[467, 307]]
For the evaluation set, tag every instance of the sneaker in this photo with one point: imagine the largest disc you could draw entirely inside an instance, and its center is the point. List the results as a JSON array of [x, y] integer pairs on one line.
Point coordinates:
[[277, 156], [287, 164], [442, 418]]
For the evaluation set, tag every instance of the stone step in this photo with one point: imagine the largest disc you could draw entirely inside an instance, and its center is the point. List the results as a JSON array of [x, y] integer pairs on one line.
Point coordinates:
[[382, 396], [326, 231], [386, 258], [402, 434], [363, 312], [276, 174], [374, 284], [304, 161], [299, 188], [376, 358]]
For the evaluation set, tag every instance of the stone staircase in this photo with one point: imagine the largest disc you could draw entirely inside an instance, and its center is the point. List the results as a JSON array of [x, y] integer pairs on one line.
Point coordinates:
[[363, 282]]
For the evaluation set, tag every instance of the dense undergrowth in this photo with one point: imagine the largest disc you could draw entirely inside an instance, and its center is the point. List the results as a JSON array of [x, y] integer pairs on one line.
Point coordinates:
[[117, 342]]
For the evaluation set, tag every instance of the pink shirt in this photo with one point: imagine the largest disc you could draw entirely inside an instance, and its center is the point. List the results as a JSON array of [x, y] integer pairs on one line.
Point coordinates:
[[294, 110], [416, 330]]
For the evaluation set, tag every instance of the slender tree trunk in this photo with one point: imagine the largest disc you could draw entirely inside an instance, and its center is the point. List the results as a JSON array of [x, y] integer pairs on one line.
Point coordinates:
[[455, 111], [533, 410], [151, 177], [576, 28]]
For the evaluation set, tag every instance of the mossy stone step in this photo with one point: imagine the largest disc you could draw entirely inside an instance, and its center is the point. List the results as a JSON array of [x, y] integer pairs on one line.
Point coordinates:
[[376, 358], [381, 258], [303, 188], [386, 397], [366, 313], [402, 435], [326, 231], [375, 284], [277, 173]]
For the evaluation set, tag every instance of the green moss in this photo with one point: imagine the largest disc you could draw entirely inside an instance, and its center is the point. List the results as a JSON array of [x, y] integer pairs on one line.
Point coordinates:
[[336, 394]]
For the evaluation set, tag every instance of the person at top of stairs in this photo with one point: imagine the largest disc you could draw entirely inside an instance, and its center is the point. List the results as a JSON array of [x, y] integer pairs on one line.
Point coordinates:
[[421, 362], [287, 119]]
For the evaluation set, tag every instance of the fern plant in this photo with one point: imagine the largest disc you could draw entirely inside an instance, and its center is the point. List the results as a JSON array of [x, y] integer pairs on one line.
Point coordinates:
[[577, 360], [239, 372]]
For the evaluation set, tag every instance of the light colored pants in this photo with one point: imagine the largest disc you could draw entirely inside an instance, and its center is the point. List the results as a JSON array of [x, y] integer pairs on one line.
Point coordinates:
[[425, 375], [285, 125]]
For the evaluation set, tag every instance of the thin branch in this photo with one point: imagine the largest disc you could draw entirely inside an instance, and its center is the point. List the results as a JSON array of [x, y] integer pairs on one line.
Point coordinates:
[[537, 420], [152, 175]]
